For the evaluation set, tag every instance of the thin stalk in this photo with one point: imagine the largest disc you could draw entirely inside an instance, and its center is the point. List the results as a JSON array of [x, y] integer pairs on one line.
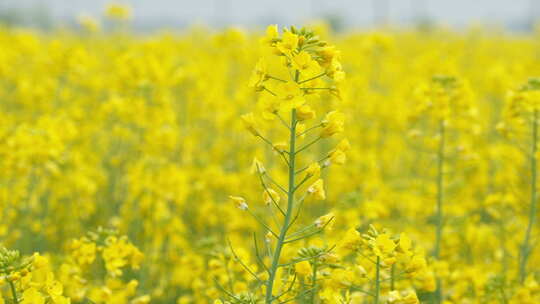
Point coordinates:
[[440, 194], [440, 198], [526, 247], [288, 213], [314, 282], [262, 223], [310, 144], [275, 78], [504, 300], [13, 292], [257, 253], [313, 78], [267, 90], [377, 281]]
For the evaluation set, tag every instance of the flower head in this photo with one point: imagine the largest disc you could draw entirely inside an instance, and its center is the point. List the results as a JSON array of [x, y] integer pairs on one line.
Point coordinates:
[[270, 195], [303, 269], [332, 124], [118, 11], [288, 43], [240, 202], [249, 123], [316, 190]]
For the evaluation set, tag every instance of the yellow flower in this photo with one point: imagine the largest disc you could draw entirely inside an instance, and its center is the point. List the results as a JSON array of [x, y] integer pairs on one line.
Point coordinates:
[[290, 94], [326, 221], [383, 245], [32, 296], [271, 196], [335, 71], [300, 130], [259, 74], [83, 251], [268, 237], [118, 11], [313, 169], [410, 298], [240, 202], [340, 279], [316, 190], [280, 146], [305, 112], [333, 124], [257, 167], [272, 34], [394, 296], [328, 55], [249, 123], [416, 264], [337, 157], [118, 253], [404, 245], [145, 299], [344, 145], [305, 64], [89, 23], [303, 269], [288, 43]]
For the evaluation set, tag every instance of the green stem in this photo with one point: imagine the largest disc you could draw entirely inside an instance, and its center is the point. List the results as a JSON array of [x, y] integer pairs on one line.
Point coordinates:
[[526, 247], [313, 78], [440, 185], [503, 295], [13, 292], [288, 212], [440, 197], [377, 281], [314, 282]]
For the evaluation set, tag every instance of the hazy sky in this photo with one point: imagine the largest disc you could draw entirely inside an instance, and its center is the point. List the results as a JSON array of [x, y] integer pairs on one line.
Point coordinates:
[[246, 12]]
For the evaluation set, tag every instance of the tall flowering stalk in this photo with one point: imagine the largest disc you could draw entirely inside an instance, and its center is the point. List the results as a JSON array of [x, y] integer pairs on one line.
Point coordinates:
[[443, 100], [524, 106], [305, 68]]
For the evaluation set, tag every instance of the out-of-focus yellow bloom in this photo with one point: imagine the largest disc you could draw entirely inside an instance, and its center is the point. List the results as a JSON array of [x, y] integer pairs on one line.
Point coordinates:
[[239, 202], [258, 75], [32, 296], [303, 269], [257, 167], [280, 146], [271, 196], [272, 33], [118, 11], [333, 123], [316, 190], [326, 221], [89, 23], [249, 123], [313, 169], [305, 112]]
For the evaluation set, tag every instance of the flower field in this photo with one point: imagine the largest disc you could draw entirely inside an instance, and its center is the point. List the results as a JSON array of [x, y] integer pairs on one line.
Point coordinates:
[[286, 166]]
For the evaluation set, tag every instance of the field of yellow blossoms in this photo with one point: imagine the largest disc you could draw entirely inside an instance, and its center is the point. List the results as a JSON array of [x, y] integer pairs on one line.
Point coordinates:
[[292, 165]]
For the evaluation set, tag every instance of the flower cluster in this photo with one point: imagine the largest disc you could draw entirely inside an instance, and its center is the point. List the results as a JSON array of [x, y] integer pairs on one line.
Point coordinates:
[[30, 280], [103, 248]]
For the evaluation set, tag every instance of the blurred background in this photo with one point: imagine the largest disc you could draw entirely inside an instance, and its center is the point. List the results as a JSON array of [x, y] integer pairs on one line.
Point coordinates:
[[517, 15]]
